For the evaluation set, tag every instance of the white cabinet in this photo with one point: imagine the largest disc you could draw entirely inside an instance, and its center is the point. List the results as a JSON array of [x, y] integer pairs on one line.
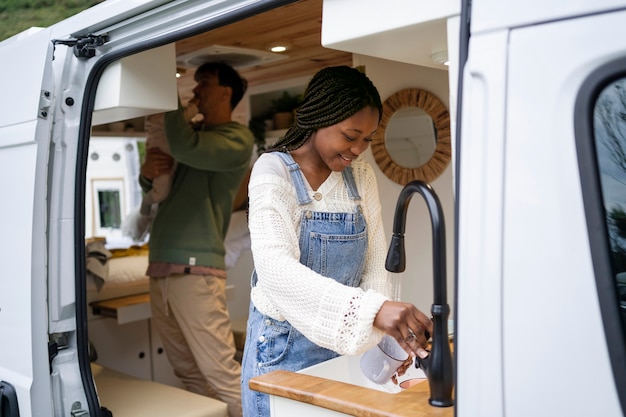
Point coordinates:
[[134, 348], [122, 347], [137, 85]]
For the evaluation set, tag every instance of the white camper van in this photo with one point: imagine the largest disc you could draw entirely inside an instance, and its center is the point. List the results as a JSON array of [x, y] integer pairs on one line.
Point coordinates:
[[516, 115]]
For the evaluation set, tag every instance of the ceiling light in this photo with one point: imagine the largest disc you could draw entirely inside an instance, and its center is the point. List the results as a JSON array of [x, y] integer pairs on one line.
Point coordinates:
[[233, 56], [441, 58], [279, 46]]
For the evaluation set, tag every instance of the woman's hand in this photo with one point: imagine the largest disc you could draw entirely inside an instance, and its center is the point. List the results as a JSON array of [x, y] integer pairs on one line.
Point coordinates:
[[157, 163], [407, 324]]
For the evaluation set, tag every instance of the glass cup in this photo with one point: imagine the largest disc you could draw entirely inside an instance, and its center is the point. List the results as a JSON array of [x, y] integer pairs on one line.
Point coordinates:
[[382, 361]]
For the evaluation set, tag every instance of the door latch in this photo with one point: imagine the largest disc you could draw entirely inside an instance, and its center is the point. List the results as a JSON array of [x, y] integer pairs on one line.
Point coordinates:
[[84, 46], [78, 410]]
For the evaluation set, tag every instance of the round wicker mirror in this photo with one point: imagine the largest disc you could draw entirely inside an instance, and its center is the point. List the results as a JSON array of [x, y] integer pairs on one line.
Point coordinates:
[[433, 167]]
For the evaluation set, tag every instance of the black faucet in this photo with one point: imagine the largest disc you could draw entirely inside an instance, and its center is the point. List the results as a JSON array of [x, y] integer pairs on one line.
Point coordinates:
[[438, 365]]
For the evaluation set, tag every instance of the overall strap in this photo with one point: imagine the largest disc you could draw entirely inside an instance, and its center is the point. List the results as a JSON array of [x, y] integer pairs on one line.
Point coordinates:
[[348, 178], [296, 177]]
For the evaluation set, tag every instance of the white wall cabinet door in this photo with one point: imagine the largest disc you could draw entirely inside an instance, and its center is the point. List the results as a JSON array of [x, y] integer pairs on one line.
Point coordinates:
[[122, 347]]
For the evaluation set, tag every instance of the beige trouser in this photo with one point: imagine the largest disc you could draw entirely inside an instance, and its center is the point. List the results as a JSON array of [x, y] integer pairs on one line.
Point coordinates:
[[190, 314]]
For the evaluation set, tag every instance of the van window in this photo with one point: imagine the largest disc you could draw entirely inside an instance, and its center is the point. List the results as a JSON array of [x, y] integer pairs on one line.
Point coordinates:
[[600, 132], [609, 130], [109, 204]]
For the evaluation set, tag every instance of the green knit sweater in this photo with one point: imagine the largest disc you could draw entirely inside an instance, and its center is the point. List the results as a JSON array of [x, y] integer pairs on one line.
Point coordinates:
[[191, 223]]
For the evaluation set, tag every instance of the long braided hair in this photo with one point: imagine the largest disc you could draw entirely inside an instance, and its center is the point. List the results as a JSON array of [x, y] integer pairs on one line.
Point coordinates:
[[333, 95]]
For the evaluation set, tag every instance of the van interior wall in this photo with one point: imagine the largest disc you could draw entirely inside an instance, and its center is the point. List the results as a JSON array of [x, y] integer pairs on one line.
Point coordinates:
[[417, 280]]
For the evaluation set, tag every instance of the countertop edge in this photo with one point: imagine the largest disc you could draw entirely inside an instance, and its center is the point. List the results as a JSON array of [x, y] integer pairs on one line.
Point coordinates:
[[347, 398]]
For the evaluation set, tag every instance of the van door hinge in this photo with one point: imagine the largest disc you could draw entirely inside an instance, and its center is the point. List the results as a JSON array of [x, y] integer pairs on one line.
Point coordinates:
[[44, 104], [84, 46]]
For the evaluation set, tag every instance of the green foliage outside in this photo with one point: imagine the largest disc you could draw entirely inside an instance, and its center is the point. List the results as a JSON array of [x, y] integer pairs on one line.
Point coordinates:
[[19, 15]]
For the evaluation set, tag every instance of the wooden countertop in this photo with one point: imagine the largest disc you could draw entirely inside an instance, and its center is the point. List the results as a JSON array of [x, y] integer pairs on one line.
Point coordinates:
[[347, 398]]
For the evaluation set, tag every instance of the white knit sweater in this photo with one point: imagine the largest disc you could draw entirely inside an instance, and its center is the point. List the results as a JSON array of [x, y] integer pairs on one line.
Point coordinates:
[[329, 314]]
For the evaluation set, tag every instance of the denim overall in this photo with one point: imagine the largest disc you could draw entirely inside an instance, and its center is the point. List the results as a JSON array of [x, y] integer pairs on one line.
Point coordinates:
[[332, 244]]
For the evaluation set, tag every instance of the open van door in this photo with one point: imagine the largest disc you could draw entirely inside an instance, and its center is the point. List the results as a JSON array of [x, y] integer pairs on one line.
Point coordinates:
[[25, 131], [55, 75]]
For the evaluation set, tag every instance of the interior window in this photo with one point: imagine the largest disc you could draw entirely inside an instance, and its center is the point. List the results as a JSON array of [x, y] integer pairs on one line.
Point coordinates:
[[609, 128], [110, 213]]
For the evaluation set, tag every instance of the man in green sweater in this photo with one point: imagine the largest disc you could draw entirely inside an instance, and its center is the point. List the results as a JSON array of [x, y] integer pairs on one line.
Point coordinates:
[[187, 271]]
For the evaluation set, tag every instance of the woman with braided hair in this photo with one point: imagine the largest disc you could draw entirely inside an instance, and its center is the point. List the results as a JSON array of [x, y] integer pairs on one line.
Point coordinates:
[[319, 288]]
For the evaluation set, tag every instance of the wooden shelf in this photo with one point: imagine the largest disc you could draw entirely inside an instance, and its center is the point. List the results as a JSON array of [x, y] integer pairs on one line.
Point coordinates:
[[125, 309]]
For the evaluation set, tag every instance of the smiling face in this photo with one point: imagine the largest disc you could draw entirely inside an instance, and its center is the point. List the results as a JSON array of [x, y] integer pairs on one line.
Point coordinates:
[[338, 145], [333, 148]]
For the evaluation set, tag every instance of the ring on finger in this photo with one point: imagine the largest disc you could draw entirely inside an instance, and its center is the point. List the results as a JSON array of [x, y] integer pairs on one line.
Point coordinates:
[[411, 335]]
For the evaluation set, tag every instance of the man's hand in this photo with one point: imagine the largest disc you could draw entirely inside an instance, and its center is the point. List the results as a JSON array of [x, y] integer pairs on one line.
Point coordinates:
[[156, 163], [191, 110]]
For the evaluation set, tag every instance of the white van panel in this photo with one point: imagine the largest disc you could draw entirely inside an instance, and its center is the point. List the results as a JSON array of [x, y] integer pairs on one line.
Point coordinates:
[[17, 163], [497, 14], [22, 307], [523, 243], [104, 15], [479, 369], [548, 259], [20, 98]]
